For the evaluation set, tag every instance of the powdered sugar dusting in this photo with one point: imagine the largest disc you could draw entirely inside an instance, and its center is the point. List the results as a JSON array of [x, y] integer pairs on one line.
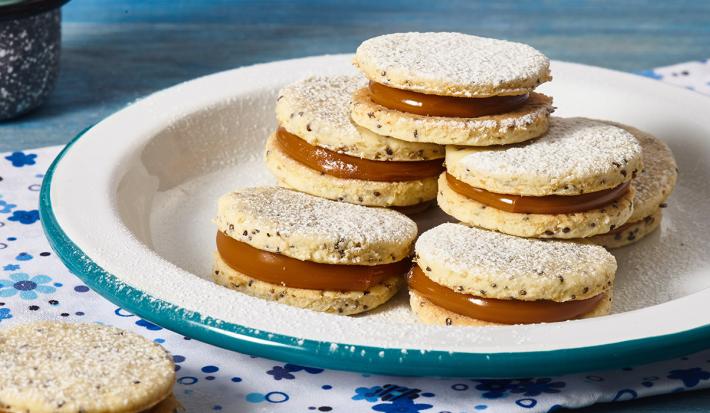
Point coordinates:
[[317, 109], [482, 253], [573, 152], [328, 99], [81, 367], [461, 60], [349, 233], [299, 213]]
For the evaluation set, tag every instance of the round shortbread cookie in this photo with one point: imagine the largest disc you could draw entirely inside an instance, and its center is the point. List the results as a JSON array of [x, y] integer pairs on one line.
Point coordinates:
[[630, 233], [430, 313], [572, 225], [452, 64], [655, 182], [293, 174], [62, 367], [527, 122], [575, 156], [339, 302], [317, 110], [309, 228], [494, 265]]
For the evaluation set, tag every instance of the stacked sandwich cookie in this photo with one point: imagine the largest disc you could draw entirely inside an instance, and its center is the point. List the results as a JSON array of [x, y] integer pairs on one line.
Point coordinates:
[[470, 276], [318, 150], [653, 187], [298, 249], [451, 88], [454, 119], [573, 182], [89, 368]]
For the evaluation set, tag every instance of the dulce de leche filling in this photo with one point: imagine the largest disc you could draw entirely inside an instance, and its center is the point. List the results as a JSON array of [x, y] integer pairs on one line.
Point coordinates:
[[550, 204], [496, 310], [447, 106], [279, 269], [351, 167]]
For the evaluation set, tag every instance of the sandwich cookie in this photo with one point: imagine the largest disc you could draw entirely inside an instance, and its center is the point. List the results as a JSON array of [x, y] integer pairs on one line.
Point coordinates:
[[318, 150], [653, 186], [91, 368], [451, 88], [573, 182], [470, 276], [310, 252]]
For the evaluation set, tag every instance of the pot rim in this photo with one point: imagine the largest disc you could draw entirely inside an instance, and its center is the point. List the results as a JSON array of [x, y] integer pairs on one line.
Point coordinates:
[[26, 8]]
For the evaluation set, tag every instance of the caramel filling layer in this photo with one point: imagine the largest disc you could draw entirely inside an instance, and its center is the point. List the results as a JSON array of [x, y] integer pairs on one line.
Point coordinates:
[[279, 269], [495, 310], [351, 167], [550, 204], [447, 106]]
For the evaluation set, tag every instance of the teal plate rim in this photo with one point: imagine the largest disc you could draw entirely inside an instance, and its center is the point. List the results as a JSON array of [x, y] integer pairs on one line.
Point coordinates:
[[365, 359]]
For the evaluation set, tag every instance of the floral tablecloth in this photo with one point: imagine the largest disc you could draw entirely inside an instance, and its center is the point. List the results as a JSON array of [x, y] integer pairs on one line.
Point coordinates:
[[35, 285]]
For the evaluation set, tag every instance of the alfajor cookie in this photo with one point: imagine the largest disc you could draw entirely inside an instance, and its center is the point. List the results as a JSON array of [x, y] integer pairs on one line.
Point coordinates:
[[91, 368], [653, 185], [573, 182], [451, 88], [318, 150], [310, 252], [470, 276]]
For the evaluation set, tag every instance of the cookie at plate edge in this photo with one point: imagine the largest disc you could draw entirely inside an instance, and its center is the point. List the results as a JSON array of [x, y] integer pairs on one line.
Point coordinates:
[[491, 278], [112, 369]]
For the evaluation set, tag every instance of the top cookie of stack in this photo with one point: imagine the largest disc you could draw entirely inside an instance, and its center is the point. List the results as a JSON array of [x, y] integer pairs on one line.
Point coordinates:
[[451, 88]]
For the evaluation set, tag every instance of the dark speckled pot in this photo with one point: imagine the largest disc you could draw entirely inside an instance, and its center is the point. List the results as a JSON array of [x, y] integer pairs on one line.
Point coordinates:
[[29, 59]]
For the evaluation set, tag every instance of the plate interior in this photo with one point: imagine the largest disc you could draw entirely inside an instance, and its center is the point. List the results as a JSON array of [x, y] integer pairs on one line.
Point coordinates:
[[221, 149], [157, 183]]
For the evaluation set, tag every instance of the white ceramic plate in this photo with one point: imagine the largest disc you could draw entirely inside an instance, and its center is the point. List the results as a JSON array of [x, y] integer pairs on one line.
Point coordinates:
[[128, 206]]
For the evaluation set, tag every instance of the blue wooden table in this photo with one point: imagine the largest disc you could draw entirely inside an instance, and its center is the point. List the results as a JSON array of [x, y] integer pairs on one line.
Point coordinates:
[[116, 51]]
